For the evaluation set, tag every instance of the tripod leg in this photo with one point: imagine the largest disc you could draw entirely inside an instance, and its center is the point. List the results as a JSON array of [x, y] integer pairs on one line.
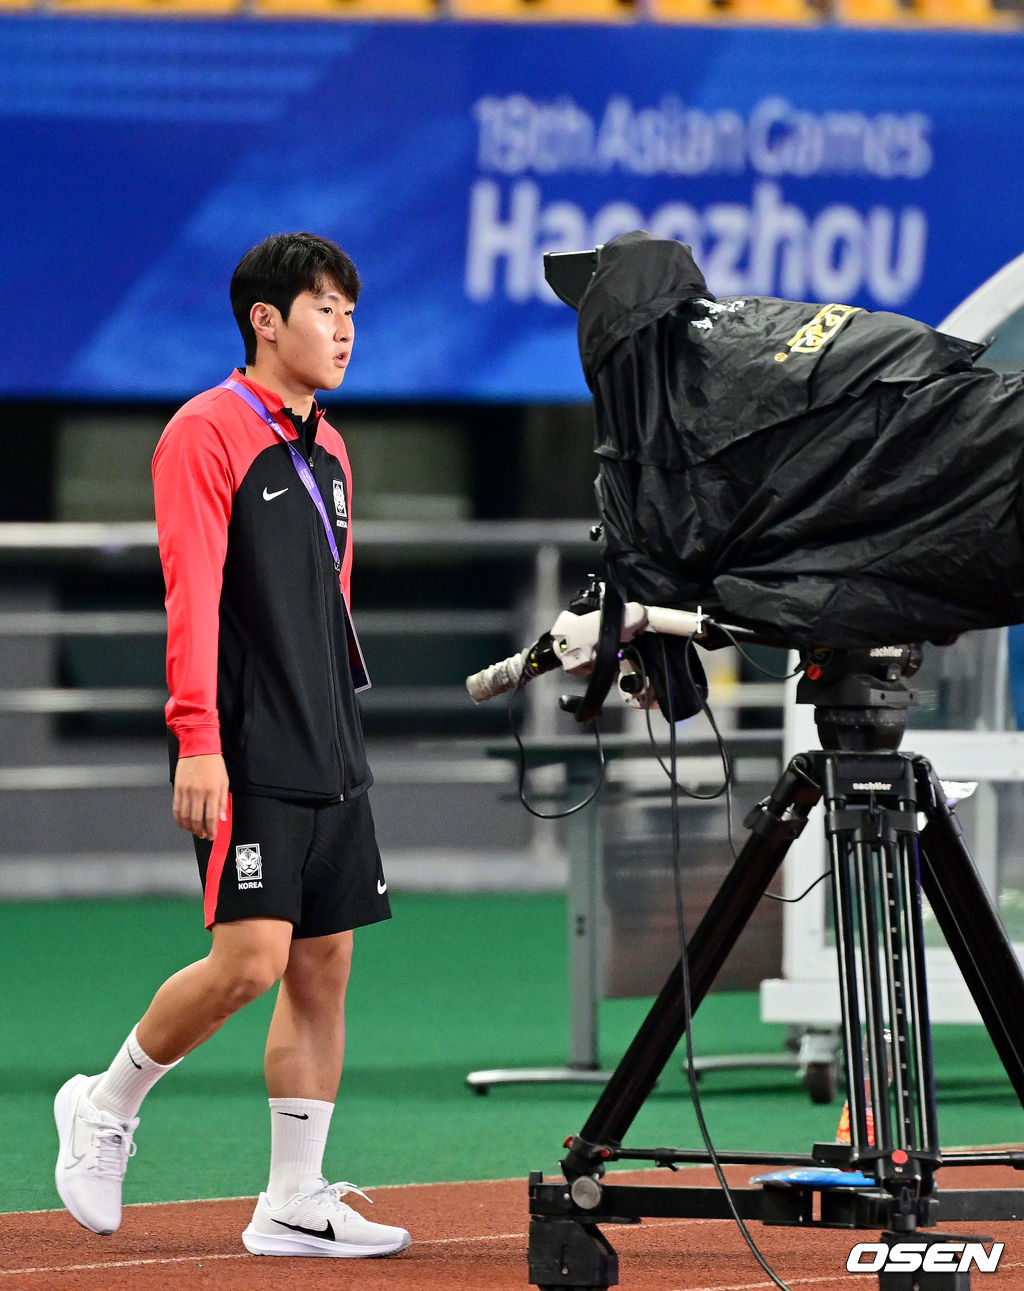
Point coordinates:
[[872, 830], [971, 926], [913, 1074], [868, 848], [774, 823], [845, 924]]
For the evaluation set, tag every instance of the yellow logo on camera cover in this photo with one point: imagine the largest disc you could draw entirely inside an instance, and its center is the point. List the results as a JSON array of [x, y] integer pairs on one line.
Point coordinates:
[[816, 334]]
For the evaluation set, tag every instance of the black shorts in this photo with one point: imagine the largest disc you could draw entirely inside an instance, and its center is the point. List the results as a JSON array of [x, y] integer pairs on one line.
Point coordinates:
[[318, 866]]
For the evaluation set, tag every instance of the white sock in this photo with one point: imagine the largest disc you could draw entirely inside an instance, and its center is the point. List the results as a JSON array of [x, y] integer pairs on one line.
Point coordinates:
[[298, 1136], [128, 1079]]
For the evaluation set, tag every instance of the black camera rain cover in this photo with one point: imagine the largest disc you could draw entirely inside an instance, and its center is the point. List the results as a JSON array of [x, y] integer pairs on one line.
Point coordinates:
[[821, 474]]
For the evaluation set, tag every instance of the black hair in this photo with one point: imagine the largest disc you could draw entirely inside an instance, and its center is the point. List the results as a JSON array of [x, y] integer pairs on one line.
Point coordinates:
[[280, 268]]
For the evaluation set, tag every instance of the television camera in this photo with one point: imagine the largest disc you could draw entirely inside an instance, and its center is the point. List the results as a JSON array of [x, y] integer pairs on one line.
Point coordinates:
[[892, 838], [839, 482]]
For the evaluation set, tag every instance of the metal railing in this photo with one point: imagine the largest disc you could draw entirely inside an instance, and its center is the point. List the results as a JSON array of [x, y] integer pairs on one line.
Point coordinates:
[[48, 549], [63, 835], [542, 546]]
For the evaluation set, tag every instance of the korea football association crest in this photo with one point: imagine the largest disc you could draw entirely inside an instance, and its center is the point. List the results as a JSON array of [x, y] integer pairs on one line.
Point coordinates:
[[249, 865], [340, 505]]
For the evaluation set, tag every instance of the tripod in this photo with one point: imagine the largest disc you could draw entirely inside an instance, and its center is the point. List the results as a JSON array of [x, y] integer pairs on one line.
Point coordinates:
[[881, 862]]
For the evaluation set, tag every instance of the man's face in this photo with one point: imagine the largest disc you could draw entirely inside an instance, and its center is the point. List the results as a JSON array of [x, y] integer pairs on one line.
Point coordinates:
[[315, 344]]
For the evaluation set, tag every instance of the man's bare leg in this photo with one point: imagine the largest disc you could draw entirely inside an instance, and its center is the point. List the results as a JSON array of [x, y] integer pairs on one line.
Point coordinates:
[[96, 1117], [247, 957], [299, 1214], [306, 1040]]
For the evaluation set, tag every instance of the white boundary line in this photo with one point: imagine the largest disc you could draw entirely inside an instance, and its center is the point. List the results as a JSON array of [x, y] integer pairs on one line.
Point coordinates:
[[852, 1279], [202, 1201], [199, 1258], [370, 1187], [461, 1183]]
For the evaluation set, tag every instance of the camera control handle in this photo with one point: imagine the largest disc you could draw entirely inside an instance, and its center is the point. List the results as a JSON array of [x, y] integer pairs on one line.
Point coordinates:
[[516, 670], [573, 644]]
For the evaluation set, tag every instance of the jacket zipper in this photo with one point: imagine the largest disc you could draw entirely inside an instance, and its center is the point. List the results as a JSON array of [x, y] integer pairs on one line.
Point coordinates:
[[332, 662]]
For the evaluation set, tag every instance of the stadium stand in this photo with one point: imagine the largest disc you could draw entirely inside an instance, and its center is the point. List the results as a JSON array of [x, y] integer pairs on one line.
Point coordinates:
[[346, 8], [963, 13], [872, 13], [544, 10], [792, 13], [200, 8], [924, 13], [910, 15], [999, 15]]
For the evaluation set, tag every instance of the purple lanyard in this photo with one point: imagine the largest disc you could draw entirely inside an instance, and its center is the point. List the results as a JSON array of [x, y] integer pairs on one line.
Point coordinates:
[[357, 663], [305, 474]]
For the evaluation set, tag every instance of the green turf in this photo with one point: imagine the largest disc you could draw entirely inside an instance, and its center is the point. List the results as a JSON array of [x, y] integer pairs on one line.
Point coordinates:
[[451, 984]]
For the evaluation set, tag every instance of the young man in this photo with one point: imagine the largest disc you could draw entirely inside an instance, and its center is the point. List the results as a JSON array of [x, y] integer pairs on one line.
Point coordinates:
[[253, 490]]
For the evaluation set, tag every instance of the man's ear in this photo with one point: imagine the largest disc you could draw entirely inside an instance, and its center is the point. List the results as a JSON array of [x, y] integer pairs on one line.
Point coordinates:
[[264, 319]]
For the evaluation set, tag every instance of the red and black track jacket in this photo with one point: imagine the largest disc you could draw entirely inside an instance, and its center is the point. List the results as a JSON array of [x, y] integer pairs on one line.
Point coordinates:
[[257, 647]]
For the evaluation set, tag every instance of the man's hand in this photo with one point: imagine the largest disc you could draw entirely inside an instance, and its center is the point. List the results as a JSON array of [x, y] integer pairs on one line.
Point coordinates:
[[201, 794]]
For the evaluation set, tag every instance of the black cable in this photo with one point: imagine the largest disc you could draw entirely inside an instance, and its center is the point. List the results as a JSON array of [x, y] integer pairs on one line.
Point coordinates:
[[767, 672], [684, 970], [723, 748], [723, 751], [728, 789], [522, 762], [675, 790], [773, 896]]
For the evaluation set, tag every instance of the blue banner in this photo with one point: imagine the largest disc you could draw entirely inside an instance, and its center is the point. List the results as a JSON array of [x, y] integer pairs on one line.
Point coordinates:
[[142, 158]]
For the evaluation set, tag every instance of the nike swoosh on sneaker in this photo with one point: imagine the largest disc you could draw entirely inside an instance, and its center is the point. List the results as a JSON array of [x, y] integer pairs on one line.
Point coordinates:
[[269, 497], [326, 1233], [297, 1116]]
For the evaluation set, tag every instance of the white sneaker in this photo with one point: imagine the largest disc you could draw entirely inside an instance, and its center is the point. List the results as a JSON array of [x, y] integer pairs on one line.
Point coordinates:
[[94, 1150], [319, 1223]]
